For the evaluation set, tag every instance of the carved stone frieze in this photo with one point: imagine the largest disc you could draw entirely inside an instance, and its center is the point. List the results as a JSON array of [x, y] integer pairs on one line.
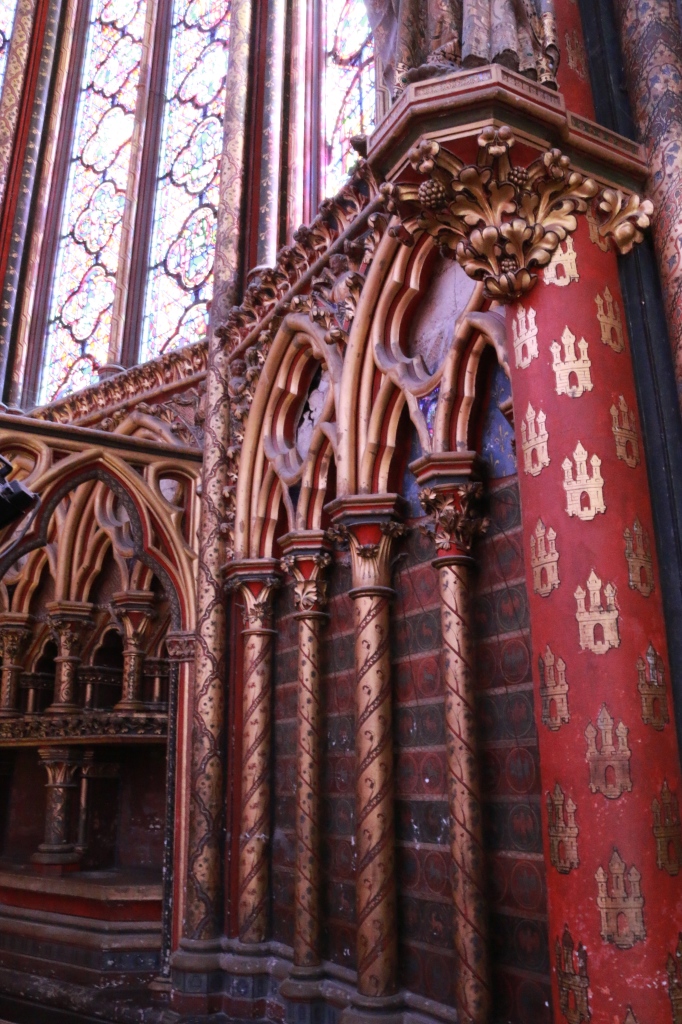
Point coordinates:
[[503, 222], [83, 725]]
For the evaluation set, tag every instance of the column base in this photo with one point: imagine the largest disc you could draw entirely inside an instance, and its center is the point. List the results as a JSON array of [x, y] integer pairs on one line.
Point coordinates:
[[55, 855], [367, 1009], [9, 713], [62, 709], [130, 705]]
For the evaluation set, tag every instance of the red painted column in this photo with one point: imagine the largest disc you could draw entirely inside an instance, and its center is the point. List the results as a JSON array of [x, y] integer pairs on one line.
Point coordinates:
[[603, 699]]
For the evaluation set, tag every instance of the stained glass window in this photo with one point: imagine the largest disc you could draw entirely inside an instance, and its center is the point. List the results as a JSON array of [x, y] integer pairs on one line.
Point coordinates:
[[349, 101], [180, 279], [79, 324], [7, 12]]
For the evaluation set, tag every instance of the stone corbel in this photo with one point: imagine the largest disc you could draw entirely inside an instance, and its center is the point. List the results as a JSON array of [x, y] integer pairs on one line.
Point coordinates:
[[70, 620], [14, 635]]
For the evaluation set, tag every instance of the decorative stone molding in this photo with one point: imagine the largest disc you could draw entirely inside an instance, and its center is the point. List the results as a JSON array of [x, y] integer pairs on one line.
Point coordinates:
[[503, 222], [572, 978], [639, 559], [128, 389], [652, 690], [625, 433], [597, 625], [583, 485], [563, 258], [553, 690], [544, 560], [534, 438], [563, 831], [610, 322], [609, 764], [620, 907], [33, 729], [572, 372], [667, 830], [525, 334]]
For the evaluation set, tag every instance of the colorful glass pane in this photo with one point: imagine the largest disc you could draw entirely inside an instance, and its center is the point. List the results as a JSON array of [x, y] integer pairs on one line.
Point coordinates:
[[180, 281], [349, 100], [79, 324], [7, 13]]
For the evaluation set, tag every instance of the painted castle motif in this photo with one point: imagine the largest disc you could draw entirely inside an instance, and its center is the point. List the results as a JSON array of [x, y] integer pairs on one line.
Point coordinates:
[[674, 970], [571, 972], [609, 763], [667, 830], [623, 426], [638, 557], [597, 623], [620, 906], [610, 321], [651, 686], [585, 490], [563, 831], [534, 438], [525, 334], [553, 690], [563, 266], [572, 372], [544, 559]]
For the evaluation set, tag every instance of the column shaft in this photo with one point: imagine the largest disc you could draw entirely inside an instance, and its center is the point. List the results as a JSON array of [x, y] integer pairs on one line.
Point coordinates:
[[61, 766], [466, 839]]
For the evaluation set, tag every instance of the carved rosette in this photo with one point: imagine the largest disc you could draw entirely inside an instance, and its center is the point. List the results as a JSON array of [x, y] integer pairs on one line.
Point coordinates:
[[14, 635], [501, 222], [134, 611], [457, 511], [62, 765], [371, 533], [255, 582], [70, 622], [307, 564]]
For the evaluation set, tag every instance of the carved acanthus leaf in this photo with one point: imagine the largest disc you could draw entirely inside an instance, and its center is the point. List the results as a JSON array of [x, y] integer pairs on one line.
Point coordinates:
[[457, 515], [502, 222]]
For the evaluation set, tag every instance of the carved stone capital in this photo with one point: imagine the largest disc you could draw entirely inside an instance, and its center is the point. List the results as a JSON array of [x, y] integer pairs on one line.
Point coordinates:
[[69, 621], [14, 635], [134, 610], [305, 559], [370, 525], [256, 580], [502, 222], [180, 647], [453, 499]]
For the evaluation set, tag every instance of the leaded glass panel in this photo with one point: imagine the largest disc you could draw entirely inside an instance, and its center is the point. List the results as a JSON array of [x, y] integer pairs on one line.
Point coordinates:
[[79, 323], [348, 95], [180, 282]]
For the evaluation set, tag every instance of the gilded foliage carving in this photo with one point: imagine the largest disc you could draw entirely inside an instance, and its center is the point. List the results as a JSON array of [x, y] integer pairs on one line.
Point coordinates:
[[502, 222]]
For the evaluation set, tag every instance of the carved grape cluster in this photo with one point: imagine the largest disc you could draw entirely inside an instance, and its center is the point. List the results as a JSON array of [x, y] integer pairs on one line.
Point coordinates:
[[432, 195]]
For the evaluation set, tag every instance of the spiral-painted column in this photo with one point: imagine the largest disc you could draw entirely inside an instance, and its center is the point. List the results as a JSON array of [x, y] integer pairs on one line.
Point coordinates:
[[255, 581], [69, 621], [368, 522], [306, 560], [57, 850], [453, 502], [14, 634]]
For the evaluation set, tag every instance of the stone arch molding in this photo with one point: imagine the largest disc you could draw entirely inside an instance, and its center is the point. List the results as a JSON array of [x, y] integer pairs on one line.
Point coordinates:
[[93, 502], [373, 382]]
